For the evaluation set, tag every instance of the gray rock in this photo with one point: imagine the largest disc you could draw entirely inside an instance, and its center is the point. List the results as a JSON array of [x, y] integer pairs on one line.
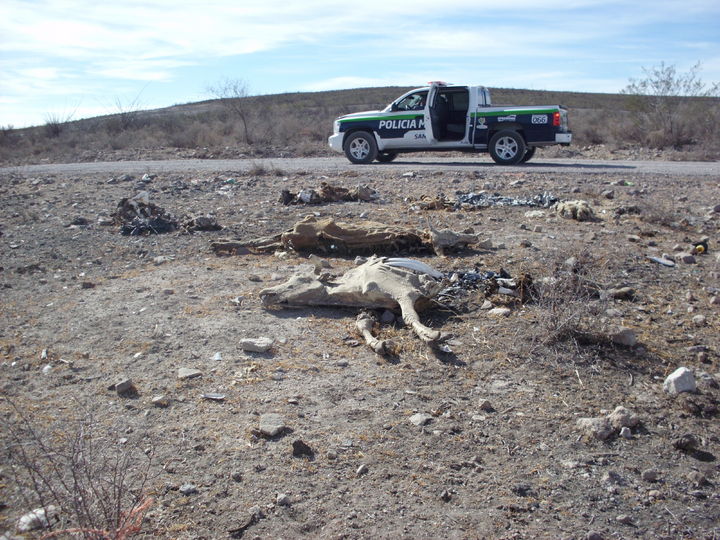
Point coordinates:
[[594, 535], [271, 424], [680, 380], [687, 258], [624, 519], [608, 194], [387, 317], [361, 470], [500, 312], [420, 419], [125, 385], [699, 320], [622, 293], [687, 442], [621, 417], [282, 500], [487, 305], [598, 428], [188, 489], [485, 405], [259, 345], [626, 433], [624, 337], [484, 244], [188, 373], [650, 475]]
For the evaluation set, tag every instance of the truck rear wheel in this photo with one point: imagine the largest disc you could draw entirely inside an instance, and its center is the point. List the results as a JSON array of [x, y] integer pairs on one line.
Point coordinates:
[[507, 147], [386, 157], [360, 147], [529, 153]]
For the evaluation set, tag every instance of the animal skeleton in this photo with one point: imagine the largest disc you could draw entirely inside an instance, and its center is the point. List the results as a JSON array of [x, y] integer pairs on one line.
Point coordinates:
[[378, 283]]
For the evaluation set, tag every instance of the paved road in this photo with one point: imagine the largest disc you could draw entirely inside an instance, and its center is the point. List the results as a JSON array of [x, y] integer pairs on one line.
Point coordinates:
[[340, 164]]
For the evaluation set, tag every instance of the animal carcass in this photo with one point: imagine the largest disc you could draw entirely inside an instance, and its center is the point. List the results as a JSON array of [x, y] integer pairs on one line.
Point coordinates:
[[378, 283]]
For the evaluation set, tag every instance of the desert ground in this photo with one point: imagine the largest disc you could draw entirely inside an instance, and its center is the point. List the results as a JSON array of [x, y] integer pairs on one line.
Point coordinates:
[[479, 438]]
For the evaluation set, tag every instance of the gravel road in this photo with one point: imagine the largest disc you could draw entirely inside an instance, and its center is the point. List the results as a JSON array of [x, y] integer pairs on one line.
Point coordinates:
[[339, 164]]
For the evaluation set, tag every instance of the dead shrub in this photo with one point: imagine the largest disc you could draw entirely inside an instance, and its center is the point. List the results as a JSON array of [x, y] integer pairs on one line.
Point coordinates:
[[97, 481], [565, 304]]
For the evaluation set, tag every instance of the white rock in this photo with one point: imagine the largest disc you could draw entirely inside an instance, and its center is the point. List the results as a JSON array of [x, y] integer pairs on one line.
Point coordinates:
[[500, 312], [420, 419], [37, 519], [680, 380], [261, 344], [626, 433], [188, 373]]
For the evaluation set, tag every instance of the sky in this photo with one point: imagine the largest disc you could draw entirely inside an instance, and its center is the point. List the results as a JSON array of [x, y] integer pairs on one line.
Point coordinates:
[[71, 59]]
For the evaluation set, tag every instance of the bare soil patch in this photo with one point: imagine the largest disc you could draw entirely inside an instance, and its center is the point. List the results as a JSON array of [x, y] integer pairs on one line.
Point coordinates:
[[501, 456]]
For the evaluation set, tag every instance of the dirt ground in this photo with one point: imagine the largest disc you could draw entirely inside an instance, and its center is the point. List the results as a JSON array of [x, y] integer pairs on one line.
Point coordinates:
[[501, 454]]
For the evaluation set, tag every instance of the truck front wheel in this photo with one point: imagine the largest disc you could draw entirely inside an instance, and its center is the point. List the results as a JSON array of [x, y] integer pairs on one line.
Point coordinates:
[[507, 147], [360, 147]]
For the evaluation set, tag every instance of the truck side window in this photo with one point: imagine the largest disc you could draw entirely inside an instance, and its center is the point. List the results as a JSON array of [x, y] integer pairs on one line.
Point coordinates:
[[413, 102]]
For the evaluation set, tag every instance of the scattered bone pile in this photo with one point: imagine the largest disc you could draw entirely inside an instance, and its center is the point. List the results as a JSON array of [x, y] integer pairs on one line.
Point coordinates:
[[138, 216], [328, 193]]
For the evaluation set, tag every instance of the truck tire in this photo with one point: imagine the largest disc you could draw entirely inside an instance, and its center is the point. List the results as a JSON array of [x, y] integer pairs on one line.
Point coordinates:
[[386, 157], [360, 147], [529, 153], [507, 147]]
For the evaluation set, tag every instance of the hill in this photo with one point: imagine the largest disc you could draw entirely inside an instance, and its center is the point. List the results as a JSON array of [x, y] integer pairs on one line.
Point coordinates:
[[298, 124]]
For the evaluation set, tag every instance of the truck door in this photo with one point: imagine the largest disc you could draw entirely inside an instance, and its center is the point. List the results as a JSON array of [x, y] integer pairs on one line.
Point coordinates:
[[432, 116]]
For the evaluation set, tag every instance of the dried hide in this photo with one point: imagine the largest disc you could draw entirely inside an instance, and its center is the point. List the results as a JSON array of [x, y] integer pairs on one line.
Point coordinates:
[[326, 235], [138, 216], [329, 193], [378, 283], [578, 210]]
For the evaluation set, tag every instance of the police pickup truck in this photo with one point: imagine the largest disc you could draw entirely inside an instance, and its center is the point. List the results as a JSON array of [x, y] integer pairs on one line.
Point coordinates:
[[449, 117]]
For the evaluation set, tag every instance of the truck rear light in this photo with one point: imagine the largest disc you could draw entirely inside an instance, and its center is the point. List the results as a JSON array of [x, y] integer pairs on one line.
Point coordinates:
[[556, 118]]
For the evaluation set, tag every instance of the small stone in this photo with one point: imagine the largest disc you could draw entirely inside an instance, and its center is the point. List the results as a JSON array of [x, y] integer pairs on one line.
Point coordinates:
[[608, 194], [487, 305], [624, 519], [594, 535], [420, 419], [654, 494], [687, 258], [188, 489], [300, 449], [361, 470], [259, 345], [650, 475], [624, 337], [188, 373], [125, 385], [282, 500], [236, 476], [687, 443], [485, 405], [484, 244], [271, 424], [680, 380], [623, 293], [634, 238], [697, 479], [626, 433], [217, 357], [537, 229], [87, 285], [525, 243], [445, 495], [715, 301], [159, 401], [699, 320], [387, 317], [500, 312], [47, 369]]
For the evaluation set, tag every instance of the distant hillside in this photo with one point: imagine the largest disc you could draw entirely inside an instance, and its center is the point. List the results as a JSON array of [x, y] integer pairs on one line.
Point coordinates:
[[298, 124]]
